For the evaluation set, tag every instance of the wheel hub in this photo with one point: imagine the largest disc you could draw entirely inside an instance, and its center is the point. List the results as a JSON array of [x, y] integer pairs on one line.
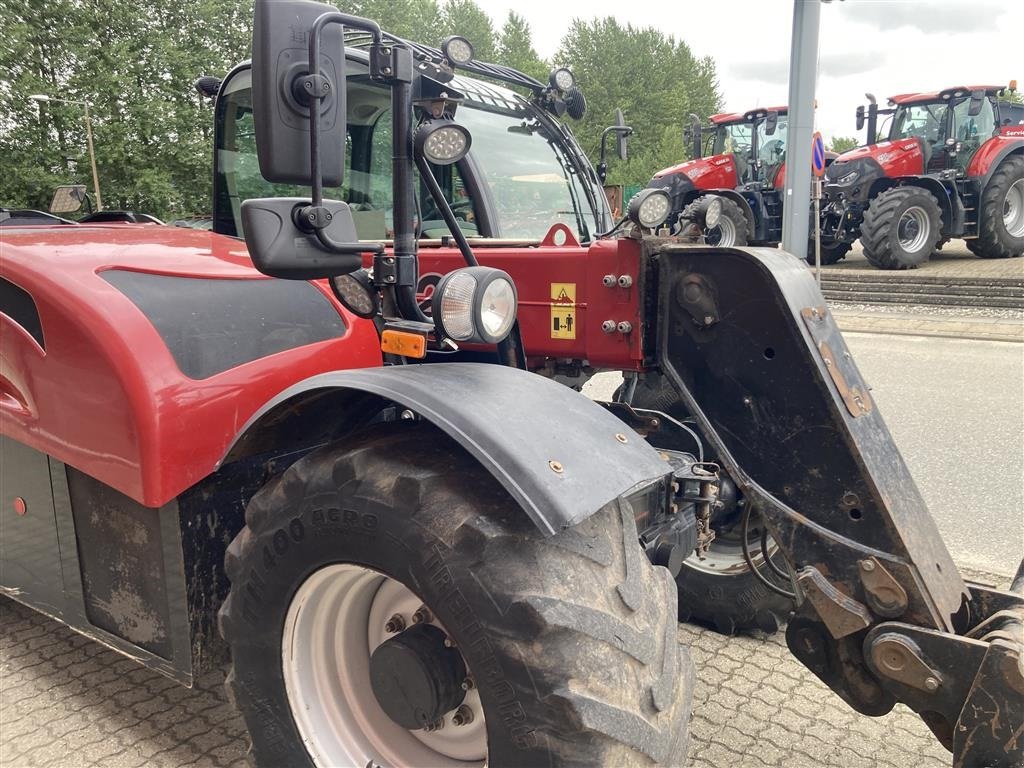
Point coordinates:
[[416, 678]]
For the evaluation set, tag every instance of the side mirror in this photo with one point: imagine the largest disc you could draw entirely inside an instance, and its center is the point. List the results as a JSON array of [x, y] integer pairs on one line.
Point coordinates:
[[692, 135], [860, 118], [771, 123], [977, 102], [281, 92], [621, 136], [67, 199]]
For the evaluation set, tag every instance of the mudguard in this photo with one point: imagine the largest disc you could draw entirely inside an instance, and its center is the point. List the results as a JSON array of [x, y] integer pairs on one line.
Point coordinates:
[[558, 454]]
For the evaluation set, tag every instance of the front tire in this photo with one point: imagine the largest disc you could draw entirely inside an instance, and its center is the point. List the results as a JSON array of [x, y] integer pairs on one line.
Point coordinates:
[[831, 253], [731, 230], [1001, 222], [569, 641], [901, 227], [719, 591]]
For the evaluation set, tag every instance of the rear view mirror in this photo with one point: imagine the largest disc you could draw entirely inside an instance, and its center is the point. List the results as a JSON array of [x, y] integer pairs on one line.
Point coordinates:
[[67, 199], [977, 102], [860, 118], [770, 123], [621, 137], [692, 135], [280, 87]]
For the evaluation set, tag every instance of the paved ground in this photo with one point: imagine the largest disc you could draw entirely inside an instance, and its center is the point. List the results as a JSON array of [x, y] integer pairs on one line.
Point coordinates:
[[954, 260], [65, 701]]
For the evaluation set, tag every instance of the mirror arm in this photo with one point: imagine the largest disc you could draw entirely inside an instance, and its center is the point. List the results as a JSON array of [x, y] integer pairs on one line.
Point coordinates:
[[437, 195]]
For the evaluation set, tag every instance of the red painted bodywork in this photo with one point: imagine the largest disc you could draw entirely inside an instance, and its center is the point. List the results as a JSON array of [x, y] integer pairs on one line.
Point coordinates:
[[903, 157], [715, 172], [107, 397], [724, 118], [993, 149]]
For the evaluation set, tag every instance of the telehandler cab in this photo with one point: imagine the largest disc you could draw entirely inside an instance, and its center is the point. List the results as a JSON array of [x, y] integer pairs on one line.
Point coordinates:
[[457, 562]]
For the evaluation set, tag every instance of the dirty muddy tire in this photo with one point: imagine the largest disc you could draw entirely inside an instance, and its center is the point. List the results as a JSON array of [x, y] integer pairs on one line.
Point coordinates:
[[1001, 227], [732, 226], [901, 228], [568, 643], [720, 591], [832, 253]]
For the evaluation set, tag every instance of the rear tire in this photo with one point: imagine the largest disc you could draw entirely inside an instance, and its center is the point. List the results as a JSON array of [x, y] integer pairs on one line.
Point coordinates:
[[1001, 222], [901, 227], [569, 640], [731, 231], [728, 596]]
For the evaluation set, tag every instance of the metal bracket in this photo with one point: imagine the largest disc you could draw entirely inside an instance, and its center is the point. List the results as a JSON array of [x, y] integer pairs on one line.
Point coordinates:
[[885, 596], [855, 396], [899, 658], [696, 297], [840, 613]]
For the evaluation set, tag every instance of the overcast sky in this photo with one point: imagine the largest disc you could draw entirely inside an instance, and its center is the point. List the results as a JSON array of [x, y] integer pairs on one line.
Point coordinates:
[[881, 46]]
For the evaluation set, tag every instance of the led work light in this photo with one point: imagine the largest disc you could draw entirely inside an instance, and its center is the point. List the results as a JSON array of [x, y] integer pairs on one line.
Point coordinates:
[[649, 208], [442, 142]]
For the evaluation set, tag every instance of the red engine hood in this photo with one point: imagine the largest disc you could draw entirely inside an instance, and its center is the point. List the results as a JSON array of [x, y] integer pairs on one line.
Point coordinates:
[[903, 157], [715, 172]]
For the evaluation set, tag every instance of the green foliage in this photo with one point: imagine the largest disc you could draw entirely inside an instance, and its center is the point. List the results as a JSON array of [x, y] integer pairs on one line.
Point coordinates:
[[135, 66], [1014, 97], [842, 144], [655, 80]]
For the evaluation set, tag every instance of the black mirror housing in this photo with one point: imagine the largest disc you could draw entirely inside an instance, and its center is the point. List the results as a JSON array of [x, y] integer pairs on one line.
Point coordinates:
[[281, 113], [771, 123], [860, 118], [621, 137], [279, 247], [977, 102]]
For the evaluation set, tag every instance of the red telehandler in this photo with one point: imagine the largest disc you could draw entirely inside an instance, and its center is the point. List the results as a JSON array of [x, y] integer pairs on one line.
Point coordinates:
[[418, 548], [952, 166]]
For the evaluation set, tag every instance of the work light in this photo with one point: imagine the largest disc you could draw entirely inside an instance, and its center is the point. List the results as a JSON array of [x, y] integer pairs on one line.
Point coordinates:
[[457, 49], [713, 213], [442, 142], [562, 79], [649, 208], [356, 293], [475, 305]]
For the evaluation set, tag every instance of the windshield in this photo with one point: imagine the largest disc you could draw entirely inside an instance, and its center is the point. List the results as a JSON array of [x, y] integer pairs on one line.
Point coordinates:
[[736, 139], [924, 121], [516, 182]]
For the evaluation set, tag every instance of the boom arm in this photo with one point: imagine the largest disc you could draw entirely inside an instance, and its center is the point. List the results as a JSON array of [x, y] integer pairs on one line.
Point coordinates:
[[883, 615]]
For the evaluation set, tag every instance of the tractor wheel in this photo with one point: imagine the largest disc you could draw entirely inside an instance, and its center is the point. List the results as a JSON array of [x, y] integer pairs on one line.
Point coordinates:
[[720, 591], [1001, 221], [732, 224], [832, 253], [974, 247], [391, 605], [901, 227]]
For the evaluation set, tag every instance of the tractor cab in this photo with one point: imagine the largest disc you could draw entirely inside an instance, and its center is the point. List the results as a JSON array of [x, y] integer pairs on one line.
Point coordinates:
[[757, 142], [951, 125], [522, 174]]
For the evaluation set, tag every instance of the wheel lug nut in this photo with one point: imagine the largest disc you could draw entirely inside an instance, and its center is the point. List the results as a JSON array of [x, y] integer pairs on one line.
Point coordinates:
[[463, 716], [437, 725], [468, 684], [422, 615], [395, 624]]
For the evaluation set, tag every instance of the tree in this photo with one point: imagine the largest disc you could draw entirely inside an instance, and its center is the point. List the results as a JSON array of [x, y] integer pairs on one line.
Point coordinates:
[[417, 20], [1014, 97], [654, 79], [515, 48], [842, 144]]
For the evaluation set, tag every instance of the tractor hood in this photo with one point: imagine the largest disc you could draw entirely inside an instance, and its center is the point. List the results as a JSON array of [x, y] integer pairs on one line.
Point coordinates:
[[903, 157], [714, 172], [135, 354]]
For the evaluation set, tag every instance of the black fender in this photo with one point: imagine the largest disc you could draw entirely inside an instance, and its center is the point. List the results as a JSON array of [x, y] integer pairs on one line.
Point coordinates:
[[741, 201], [949, 202], [561, 456]]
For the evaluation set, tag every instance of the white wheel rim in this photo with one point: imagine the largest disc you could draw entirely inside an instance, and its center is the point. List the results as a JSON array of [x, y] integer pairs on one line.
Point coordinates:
[[1013, 209], [723, 235], [335, 621], [913, 229]]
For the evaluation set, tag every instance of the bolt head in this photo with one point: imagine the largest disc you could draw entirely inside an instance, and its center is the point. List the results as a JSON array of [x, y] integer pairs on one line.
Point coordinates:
[[931, 684], [867, 566], [556, 466], [621, 438]]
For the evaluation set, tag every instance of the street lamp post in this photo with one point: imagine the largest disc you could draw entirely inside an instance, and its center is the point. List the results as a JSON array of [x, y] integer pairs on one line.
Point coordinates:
[[40, 97]]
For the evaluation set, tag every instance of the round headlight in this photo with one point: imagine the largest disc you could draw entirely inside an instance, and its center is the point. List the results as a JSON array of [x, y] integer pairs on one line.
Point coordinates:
[[356, 293], [649, 208], [562, 79], [457, 49], [442, 142], [713, 213], [475, 304]]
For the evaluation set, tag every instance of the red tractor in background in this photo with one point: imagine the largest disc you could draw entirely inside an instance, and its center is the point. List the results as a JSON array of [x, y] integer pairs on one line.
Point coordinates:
[[730, 193], [418, 546], [952, 166]]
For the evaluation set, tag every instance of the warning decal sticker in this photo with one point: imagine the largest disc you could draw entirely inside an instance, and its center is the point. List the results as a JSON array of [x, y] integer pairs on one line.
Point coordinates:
[[563, 310]]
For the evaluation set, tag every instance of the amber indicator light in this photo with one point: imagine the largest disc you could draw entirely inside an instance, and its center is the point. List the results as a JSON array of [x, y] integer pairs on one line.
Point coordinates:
[[403, 343]]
